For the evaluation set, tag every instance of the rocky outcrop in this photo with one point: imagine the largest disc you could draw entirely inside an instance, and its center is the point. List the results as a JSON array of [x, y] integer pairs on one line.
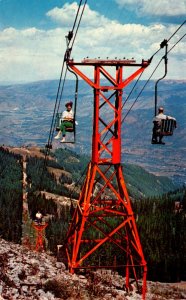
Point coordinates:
[[28, 275], [23, 273]]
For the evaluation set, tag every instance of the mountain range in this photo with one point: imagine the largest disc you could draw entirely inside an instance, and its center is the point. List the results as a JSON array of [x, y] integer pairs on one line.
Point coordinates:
[[26, 112]]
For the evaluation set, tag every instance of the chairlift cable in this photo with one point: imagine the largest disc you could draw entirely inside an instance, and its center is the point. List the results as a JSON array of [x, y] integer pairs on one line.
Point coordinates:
[[61, 94], [176, 31], [57, 103], [161, 46], [67, 55], [71, 48], [168, 39], [141, 92], [126, 100], [71, 33], [79, 23], [131, 91], [152, 75], [135, 100], [56, 109], [176, 43], [76, 15], [58, 100], [79, 179], [48, 146]]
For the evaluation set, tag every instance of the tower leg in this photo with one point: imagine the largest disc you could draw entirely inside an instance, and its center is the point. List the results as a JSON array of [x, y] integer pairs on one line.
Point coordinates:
[[104, 212], [144, 286]]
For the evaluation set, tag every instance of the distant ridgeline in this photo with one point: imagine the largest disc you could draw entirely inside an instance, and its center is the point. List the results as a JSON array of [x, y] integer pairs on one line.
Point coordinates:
[[160, 212]]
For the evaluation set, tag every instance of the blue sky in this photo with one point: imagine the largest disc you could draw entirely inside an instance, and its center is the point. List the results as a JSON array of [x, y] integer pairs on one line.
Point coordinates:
[[32, 34]]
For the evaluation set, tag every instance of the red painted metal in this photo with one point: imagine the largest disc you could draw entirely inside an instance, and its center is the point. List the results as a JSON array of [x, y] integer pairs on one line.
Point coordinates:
[[104, 216], [39, 235]]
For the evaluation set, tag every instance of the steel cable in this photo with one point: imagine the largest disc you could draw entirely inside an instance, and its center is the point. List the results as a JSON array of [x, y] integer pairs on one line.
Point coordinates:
[[78, 24], [60, 91], [153, 73]]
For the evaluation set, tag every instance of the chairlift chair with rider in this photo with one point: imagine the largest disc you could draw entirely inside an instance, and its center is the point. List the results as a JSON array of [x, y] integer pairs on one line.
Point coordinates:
[[162, 127], [59, 115]]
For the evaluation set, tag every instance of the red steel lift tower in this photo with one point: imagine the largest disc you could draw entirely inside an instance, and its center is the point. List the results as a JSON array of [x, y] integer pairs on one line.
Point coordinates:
[[39, 228], [104, 220]]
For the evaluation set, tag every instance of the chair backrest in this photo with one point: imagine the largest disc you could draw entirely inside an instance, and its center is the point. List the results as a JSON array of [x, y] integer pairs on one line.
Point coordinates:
[[167, 127]]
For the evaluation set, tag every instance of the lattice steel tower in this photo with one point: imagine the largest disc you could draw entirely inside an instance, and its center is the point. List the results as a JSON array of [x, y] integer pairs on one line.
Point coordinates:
[[104, 218]]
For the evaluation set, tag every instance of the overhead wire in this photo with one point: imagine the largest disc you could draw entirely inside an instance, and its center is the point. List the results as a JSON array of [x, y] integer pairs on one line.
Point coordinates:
[[155, 68], [54, 114], [141, 91], [82, 12], [62, 79], [58, 99], [176, 43], [176, 31], [161, 46], [68, 52], [76, 15], [78, 181], [132, 90], [60, 89], [168, 39], [125, 100]]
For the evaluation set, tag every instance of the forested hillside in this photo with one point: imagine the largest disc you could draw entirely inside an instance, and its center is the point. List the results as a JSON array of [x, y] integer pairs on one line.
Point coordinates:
[[162, 227], [10, 195], [140, 183]]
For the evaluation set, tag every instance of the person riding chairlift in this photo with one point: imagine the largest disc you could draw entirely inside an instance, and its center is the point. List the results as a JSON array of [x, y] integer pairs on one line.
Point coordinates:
[[67, 122], [157, 126]]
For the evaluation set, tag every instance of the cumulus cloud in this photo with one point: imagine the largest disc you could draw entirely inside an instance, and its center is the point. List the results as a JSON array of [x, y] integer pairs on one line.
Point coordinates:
[[158, 7], [66, 15], [33, 54], [30, 54]]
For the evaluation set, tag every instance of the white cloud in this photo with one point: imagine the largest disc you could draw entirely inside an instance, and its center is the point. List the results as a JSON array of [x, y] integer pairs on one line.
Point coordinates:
[[158, 7], [65, 16], [32, 54]]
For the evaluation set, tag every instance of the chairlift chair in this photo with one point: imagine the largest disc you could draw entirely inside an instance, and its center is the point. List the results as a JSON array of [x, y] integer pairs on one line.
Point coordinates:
[[68, 129], [162, 127], [59, 115]]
